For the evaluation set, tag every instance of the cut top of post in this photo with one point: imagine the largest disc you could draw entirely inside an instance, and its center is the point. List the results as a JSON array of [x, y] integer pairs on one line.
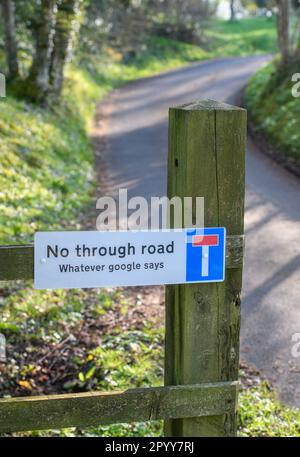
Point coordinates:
[[207, 145], [204, 105]]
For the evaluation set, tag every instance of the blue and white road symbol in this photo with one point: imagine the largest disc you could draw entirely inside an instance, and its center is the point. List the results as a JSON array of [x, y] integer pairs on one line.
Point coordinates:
[[205, 254]]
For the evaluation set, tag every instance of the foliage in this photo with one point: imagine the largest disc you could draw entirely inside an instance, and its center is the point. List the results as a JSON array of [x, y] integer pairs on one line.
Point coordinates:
[[274, 110], [261, 414], [240, 38], [81, 340], [183, 20], [46, 161], [50, 26], [124, 24], [287, 15], [288, 32]]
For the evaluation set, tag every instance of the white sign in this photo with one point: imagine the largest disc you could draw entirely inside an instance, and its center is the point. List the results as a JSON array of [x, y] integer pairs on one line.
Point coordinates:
[[98, 259]]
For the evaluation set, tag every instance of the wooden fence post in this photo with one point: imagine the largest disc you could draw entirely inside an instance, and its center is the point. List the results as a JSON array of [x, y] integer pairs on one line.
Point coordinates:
[[207, 144]]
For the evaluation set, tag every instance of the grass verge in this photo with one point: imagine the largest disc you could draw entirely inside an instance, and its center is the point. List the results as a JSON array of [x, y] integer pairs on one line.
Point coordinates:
[[249, 36], [274, 110], [106, 340]]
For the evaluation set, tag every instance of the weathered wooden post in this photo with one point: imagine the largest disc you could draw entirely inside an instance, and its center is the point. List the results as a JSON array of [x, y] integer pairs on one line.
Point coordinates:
[[207, 144]]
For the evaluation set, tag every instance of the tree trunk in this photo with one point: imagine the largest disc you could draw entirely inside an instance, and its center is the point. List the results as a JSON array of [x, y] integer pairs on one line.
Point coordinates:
[[295, 44], [283, 30], [62, 42], [8, 10], [43, 26], [232, 10]]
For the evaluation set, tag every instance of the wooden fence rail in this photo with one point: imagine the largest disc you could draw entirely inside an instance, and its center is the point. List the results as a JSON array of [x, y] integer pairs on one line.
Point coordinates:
[[134, 405]]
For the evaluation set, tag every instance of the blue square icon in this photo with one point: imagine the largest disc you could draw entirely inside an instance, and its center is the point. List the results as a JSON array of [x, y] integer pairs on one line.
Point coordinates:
[[205, 254]]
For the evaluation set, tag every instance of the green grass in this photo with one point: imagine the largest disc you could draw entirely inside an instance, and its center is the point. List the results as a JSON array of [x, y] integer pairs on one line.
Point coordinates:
[[240, 38], [261, 414], [274, 110], [129, 354], [45, 168]]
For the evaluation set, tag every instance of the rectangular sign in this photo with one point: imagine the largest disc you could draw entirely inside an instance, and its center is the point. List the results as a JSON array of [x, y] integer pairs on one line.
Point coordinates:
[[103, 259]]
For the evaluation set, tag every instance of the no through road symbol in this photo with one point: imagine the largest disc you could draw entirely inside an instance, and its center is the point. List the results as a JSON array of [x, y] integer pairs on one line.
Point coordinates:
[[205, 255]]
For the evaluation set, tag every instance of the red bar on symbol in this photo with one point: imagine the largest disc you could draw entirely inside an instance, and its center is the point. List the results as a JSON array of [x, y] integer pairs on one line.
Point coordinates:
[[206, 240]]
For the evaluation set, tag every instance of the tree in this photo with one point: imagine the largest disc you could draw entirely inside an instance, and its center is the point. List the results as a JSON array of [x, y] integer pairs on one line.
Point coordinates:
[[288, 31], [232, 10], [8, 11], [65, 27], [182, 19], [43, 29], [53, 27], [295, 35], [283, 30], [265, 4]]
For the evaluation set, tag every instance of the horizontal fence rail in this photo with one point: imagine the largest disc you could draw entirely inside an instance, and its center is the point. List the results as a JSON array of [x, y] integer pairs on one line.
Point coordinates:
[[133, 405], [17, 262]]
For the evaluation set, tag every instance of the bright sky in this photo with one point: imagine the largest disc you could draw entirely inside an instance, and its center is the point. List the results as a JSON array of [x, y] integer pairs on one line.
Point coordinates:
[[223, 9]]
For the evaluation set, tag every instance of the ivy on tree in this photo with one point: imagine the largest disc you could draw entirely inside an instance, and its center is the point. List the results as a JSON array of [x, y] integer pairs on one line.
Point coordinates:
[[53, 26]]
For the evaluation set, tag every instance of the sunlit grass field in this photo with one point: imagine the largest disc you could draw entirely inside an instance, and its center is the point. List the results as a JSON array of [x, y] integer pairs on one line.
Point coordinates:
[[274, 110], [240, 38]]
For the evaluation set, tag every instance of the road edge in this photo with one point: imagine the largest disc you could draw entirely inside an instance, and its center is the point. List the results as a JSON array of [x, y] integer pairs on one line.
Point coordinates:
[[264, 143]]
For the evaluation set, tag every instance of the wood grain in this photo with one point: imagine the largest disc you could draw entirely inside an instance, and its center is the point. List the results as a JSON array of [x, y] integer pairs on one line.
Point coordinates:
[[97, 408], [207, 144]]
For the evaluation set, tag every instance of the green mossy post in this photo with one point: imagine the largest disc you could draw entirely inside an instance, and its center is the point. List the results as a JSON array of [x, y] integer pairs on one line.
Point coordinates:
[[207, 144]]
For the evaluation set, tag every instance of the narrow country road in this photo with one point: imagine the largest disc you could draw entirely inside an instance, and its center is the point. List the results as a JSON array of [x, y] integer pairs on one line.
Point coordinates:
[[136, 158]]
